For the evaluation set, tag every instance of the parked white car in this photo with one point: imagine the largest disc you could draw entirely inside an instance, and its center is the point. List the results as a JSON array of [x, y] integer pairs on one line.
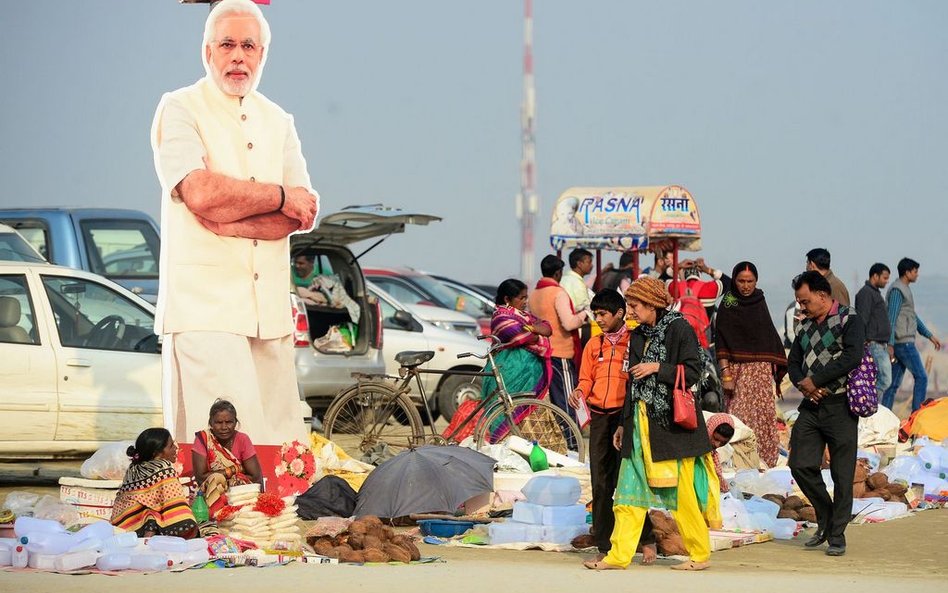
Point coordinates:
[[79, 359], [407, 328]]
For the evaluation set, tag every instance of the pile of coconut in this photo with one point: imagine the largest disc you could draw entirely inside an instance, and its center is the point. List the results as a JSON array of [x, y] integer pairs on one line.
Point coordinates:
[[366, 540], [792, 507]]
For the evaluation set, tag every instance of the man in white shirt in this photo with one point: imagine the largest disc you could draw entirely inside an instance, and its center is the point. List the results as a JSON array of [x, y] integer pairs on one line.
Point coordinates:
[[574, 279], [234, 187]]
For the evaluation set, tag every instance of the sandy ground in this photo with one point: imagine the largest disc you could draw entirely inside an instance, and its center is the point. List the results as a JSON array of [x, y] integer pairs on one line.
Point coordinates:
[[907, 555]]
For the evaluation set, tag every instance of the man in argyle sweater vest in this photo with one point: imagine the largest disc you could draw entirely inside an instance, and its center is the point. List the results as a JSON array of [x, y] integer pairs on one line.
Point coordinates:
[[827, 347]]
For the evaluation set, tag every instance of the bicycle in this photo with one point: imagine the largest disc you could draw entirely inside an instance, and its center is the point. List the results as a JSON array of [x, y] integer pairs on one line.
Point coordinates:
[[381, 414]]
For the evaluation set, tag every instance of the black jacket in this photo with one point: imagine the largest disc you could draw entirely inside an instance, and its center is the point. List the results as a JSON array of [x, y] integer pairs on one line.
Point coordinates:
[[673, 442], [872, 310]]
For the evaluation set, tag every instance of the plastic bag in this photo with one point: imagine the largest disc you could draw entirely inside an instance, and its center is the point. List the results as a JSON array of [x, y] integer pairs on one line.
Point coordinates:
[[108, 463], [51, 508], [734, 514], [21, 503]]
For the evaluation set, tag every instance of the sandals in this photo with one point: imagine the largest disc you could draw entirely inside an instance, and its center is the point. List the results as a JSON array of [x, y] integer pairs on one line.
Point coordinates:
[[601, 565], [691, 565]]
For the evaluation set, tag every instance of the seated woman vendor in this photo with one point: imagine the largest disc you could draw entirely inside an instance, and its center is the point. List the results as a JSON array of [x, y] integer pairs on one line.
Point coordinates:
[[222, 456], [151, 500]]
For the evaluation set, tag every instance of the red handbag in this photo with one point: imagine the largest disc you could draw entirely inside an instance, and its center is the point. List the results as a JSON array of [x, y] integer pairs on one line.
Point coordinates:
[[683, 402]]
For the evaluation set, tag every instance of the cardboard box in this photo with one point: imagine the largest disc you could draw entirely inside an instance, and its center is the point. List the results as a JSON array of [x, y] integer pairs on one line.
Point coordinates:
[[92, 498]]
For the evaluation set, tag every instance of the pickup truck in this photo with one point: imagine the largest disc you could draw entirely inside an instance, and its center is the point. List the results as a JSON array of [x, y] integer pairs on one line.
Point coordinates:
[[122, 245]]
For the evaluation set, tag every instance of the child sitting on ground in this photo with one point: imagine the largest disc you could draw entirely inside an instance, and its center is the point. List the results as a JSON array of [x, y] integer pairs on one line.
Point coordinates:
[[603, 375]]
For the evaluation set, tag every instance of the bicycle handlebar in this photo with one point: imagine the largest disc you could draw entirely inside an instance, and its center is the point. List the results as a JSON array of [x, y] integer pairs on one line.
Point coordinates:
[[497, 344]]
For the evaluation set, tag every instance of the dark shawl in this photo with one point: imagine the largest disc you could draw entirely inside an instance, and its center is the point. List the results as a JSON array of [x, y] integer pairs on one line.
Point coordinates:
[[746, 333]]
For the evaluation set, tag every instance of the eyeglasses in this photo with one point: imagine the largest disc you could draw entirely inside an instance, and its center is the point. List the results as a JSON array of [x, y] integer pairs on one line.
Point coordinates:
[[248, 46]]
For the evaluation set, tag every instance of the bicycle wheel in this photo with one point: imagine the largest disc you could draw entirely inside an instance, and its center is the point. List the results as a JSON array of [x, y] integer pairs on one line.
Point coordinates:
[[370, 417], [540, 421]]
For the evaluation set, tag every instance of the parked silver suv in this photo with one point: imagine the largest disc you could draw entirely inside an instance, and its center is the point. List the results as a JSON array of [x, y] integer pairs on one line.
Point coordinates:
[[323, 370]]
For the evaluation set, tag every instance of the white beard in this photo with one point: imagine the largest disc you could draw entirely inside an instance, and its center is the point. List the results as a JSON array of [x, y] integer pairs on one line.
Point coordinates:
[[232, 87]]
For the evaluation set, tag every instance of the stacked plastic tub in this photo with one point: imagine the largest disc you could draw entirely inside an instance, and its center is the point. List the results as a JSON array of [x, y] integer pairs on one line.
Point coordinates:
[[549, 515]]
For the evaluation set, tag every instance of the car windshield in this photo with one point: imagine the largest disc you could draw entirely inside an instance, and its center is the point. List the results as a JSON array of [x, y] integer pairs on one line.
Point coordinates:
[[449, 296], [13, 247]]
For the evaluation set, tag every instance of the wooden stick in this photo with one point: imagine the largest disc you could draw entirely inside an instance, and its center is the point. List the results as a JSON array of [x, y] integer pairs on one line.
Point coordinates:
[[472, 518]]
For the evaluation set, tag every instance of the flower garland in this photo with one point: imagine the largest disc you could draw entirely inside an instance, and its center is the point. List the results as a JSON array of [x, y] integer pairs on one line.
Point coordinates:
[[296, 468]]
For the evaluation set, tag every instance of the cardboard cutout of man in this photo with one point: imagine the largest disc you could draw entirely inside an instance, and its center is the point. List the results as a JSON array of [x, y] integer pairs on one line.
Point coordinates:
[[234, 187]]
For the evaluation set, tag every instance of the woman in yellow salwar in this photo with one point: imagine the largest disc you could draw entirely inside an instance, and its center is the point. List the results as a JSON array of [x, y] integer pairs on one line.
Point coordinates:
[[663, 465]]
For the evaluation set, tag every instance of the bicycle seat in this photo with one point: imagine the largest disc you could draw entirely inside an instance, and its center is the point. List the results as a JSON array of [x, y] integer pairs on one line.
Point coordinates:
[[413, 358]]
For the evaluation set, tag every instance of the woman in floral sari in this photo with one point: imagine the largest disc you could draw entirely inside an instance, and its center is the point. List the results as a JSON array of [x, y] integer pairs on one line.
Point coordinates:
[[151, 500], [524, 360], [222, 456]]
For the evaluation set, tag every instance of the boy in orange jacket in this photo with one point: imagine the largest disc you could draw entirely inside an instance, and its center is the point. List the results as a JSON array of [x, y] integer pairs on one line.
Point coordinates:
[[603, 375]]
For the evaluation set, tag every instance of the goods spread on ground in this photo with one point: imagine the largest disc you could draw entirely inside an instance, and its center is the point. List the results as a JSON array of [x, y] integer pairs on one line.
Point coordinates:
[[547, 509]]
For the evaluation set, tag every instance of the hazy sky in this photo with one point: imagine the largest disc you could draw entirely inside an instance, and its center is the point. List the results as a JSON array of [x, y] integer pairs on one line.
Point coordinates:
[[794, 125]]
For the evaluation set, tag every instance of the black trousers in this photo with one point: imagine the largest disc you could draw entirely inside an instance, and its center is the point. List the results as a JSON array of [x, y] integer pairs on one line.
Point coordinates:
[[827, 424], [562, 383], [604, 462]]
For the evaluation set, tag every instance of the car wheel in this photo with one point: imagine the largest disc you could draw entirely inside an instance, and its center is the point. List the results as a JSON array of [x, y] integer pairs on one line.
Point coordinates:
[[454, 390]]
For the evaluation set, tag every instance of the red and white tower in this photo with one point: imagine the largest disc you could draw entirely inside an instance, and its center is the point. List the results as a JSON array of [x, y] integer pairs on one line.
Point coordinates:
[[527, 201]]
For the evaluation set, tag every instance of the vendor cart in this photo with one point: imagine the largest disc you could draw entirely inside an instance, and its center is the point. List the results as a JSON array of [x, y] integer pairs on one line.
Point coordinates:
[[641, 219]]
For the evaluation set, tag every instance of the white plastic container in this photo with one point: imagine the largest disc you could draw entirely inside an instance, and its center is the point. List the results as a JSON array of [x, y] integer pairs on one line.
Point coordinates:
[[48, 543], [116, 561], [100, 530], [507, 532], [150, 562], [552, 490], [19, 557], [168, 543], [94, 544], [902, 469], [527, 512], [26, 525], [763, 522], [563, 534], [572, 515], [930, 456], [784, 528], [9, 542], [75, 560], [122, 542], [6, 556], [197, 544], [43, 561], [197, 557]]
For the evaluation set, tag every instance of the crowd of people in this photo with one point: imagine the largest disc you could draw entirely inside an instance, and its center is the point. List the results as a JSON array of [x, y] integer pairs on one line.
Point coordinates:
[[235, 186], [639, 456]]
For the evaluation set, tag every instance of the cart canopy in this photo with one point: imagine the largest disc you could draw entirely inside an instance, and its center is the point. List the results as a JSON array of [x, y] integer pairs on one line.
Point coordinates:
[[623, 218]]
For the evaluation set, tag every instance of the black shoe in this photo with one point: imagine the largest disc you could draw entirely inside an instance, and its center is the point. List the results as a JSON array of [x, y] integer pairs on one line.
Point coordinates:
[[836, 550], [817, 540]]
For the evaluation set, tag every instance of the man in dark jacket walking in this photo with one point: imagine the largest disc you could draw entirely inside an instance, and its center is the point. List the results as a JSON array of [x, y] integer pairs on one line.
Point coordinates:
[[827, 347], [871, 308]]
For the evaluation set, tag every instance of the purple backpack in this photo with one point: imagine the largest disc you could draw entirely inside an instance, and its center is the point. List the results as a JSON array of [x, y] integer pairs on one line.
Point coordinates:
[[861, 387]]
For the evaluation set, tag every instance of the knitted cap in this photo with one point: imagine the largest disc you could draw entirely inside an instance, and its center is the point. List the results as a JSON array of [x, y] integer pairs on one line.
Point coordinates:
[[649, 291]]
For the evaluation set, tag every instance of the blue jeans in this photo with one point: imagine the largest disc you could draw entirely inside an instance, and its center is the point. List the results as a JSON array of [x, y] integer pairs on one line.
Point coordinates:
[[907, 357], [880, 354]]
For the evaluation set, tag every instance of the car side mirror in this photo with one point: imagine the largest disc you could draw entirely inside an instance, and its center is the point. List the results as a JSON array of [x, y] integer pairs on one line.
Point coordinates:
[[404, 319]]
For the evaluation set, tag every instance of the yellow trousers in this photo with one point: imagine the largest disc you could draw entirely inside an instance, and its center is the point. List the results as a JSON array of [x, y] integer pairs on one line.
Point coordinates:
[[691, 523]]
